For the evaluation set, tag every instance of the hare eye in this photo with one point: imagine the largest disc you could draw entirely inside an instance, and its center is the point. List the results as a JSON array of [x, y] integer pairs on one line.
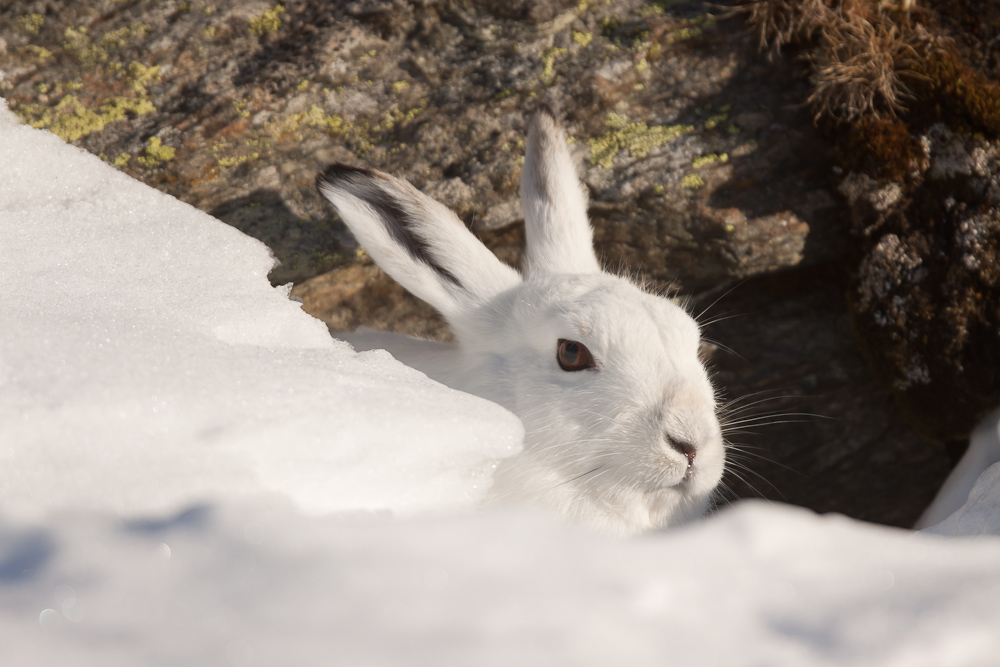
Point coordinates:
[[573, 356]]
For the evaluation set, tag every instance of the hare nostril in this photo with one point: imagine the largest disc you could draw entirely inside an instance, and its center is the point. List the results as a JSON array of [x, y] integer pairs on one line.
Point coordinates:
[[684, 448]]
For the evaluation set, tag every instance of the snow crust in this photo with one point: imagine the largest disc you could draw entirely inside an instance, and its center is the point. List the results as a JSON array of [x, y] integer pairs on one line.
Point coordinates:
[[179, 445], [147, 363]]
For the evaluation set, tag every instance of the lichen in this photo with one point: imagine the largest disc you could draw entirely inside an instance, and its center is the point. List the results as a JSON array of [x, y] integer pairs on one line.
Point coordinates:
[[39, 52], [693, 182], [89, 53], [548, 62], [267, 23], [636, 138], [31, 23], [399, 86], [711, 158], [121, 160], [156, 153], [138, 76], [582, 38], [71, 120]]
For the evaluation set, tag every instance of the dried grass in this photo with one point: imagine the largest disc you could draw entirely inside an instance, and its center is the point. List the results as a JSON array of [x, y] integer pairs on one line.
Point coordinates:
[[859, 67]]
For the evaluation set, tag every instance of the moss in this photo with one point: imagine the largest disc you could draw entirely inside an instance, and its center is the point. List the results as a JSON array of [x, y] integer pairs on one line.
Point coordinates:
[[636, 138], [880, 147], [267, 23], [31, 23], [71, 120], [956, 94], [156, 153]]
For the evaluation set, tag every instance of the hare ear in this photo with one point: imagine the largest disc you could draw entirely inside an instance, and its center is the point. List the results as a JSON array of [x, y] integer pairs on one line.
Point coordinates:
[[558, 237], [416, 240]]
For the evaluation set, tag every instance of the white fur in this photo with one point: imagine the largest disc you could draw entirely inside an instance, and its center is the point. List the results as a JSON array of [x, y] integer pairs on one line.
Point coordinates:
[[597, 442]]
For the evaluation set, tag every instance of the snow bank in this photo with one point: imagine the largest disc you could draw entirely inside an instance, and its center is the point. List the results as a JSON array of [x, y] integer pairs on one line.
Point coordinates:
[[170, 426], [147, 363], [760, 585]]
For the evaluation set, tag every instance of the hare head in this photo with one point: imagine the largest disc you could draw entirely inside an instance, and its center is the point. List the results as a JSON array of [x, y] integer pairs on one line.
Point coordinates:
[[620, 416]]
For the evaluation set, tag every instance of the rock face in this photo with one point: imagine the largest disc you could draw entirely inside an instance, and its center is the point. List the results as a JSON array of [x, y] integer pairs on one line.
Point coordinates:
[[704, 172]]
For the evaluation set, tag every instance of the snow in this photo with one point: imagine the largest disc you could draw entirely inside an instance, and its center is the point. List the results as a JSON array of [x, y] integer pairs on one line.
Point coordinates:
[[147, 363], [192, 472]]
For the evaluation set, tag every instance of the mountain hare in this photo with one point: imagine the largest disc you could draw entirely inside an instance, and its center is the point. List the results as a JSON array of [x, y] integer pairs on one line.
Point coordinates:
[[621, 432]]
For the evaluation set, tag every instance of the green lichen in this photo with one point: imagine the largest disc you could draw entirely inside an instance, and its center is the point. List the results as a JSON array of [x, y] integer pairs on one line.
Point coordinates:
[[31, 23], [121, 160], [636, 138], [268, 22], [693, 182], [303, 84], [548, 62], [399, 86], [582, 38], [71, 120], [209, 32], [711, 158], [155, 154]]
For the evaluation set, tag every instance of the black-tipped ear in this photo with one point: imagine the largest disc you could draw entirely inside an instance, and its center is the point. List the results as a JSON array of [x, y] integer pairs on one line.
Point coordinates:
[[391, 210], [416, 240]]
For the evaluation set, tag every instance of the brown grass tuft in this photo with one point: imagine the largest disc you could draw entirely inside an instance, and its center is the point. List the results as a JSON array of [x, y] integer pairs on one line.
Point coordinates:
[[859, 68]]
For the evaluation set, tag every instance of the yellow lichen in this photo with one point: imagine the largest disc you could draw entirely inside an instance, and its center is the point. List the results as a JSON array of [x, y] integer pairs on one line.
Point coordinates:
[[238, 160], [30, 23], [156, 153], [121, 160], [548, 62], [241, 107], [642, 65], [693, 182], [138, 76], [636, 138], [303, 84], [40, 52], [268, 22], [582, 38], [71, 120], [711, 158], [209, 32], [399, 86], [89, 53]]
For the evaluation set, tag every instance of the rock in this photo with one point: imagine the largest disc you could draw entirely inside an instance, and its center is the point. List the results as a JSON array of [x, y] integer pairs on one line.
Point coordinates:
[[704, 172]]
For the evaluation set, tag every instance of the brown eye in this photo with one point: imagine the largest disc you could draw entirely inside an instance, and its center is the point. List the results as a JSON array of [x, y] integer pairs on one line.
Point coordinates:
[[573, 356]]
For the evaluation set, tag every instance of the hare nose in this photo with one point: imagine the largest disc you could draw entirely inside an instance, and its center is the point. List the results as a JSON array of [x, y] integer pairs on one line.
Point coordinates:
[[684, 448]]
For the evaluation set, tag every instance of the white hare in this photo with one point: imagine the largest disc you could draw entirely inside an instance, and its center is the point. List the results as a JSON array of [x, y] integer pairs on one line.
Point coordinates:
[[621, 432]]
